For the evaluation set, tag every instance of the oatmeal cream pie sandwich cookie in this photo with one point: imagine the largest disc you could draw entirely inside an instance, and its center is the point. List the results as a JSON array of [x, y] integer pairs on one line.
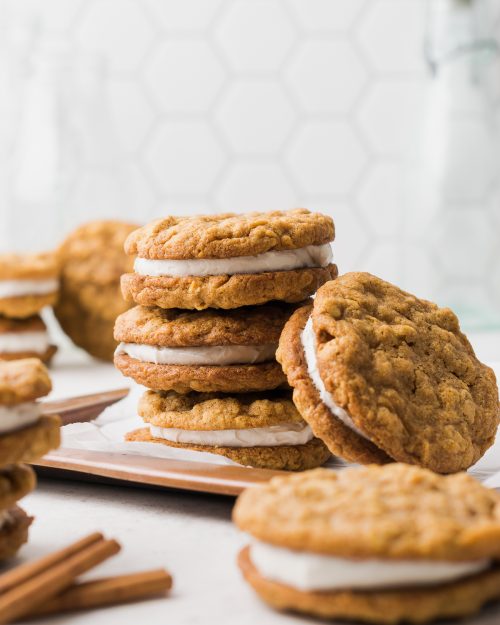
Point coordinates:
[[25, 338], [380, 544], [25, 435], [231, 351], [381, 375], [248, 429], [228, 260], [28, 283]]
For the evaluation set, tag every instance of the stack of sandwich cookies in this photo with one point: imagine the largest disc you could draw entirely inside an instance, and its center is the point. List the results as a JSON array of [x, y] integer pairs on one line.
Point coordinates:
[[214, 293], [25, 338], [25, 436], [229, 261], [381, 375], [250, 429], [205, 351], [386, 544], [28, 283]]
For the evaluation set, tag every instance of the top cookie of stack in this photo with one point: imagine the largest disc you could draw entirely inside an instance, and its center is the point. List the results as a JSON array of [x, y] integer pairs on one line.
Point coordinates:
[[228, 261], [201, 363], [28, 283]]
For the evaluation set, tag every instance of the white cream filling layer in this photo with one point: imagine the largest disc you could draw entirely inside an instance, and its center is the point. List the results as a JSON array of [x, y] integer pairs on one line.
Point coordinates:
[[218, 355], [309, 571], [274, 435], [18, 288], [285, 260], [12, 342], [309, 344], [19, 416]]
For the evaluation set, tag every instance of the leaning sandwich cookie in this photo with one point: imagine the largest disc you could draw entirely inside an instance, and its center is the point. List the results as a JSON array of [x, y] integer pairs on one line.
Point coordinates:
[[25, 338], [381, 375], [25, 434], [246, 428], [380, 544], [28, 283], [230, 351], [228, 260]]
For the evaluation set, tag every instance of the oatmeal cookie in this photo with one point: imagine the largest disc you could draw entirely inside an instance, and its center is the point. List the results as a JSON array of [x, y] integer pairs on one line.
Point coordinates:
[[92, 261]]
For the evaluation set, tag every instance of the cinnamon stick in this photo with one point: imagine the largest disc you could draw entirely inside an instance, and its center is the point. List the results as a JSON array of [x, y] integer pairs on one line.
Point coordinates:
[[107, 591], [25, 571], [24, 598]]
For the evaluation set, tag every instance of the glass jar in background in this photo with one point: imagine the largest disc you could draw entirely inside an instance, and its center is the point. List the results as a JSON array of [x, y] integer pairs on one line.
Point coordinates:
[[61, 162], [452, 182]]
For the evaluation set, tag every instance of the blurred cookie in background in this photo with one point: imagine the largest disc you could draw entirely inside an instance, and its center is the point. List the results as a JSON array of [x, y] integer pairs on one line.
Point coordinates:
[[92, 261], [25, 338]]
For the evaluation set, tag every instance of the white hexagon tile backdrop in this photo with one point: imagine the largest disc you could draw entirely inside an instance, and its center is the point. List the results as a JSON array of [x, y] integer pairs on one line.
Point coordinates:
[[259, 104]]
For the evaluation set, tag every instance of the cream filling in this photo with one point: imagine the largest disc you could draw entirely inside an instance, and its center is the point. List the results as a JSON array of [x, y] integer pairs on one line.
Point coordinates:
[[309, 344], [12, 342], [310, 571], [18, 288], [218, 355], [285, 260], [19, 416], [274, 435]]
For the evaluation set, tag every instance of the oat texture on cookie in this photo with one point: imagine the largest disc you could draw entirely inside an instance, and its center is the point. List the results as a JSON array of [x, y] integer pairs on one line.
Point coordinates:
[[212, 296], [397, 371], [416, 546]]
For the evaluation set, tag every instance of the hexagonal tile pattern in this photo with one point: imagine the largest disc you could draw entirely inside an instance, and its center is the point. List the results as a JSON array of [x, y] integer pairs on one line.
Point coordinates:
[[351, 236], [255, 186], [381, 199], [188, 15], [184, 157], [384, 260], [327, 76], [124, 41], [390, 113], [391, 33], [255, 116], [256, 35], [326, 157], [131, 112], [184, 76], [452, 235], [50, 14], [326, 15]]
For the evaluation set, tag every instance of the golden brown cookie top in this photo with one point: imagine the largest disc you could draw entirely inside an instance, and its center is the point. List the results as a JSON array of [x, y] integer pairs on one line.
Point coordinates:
[[31, 324], [229, 235], [217, 411], [405, 373], [43, 266], [395, 511], [23, 380], [252, 325], [94, 253]]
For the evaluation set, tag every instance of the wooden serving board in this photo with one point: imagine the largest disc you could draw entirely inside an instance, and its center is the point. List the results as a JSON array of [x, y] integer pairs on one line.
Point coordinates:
[[135, 469]]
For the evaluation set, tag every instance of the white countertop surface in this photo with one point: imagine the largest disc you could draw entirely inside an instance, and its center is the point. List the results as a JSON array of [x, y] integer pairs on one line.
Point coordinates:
[[189, 534]]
